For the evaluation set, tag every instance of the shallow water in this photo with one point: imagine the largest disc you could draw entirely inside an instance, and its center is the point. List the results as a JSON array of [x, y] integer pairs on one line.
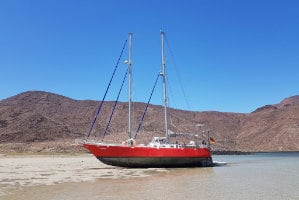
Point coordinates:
[[260, 176]]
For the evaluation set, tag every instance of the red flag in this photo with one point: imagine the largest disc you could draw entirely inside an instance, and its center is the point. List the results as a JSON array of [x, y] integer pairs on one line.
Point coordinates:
[[212, 141]]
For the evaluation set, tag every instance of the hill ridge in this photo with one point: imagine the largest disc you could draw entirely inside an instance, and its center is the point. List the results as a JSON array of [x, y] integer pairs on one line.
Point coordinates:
[[35, 117]]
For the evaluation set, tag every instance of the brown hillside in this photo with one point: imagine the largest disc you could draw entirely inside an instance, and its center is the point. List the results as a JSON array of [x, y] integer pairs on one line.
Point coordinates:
[[40, 120], [271, 128]]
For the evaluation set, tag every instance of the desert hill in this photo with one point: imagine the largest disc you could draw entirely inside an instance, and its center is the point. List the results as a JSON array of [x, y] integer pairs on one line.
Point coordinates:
[[39, 121]]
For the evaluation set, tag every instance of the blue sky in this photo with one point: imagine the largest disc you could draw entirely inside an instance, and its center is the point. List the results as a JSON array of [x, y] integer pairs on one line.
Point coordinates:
[[223, 55]]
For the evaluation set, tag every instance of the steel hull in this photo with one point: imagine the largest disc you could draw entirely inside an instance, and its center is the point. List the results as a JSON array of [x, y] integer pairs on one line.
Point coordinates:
[[157, 162]]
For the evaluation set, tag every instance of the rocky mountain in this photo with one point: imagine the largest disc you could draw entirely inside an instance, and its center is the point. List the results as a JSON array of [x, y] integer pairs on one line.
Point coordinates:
[[42, 121]]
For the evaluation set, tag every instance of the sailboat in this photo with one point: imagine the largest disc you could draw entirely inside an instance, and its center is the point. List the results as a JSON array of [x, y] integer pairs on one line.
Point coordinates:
[[160, 152]]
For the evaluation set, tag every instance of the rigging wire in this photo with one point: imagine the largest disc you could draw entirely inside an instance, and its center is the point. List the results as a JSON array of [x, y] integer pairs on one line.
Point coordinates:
[[115, 103], [178, 75], [173, 102], [143, 115], [101, 103]]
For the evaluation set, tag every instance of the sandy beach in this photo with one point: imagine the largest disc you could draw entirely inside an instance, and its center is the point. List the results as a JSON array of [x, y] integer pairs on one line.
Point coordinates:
[[18, 172]]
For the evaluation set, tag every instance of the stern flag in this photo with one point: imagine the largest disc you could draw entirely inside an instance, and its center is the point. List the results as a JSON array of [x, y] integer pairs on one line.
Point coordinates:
[[212, 141]]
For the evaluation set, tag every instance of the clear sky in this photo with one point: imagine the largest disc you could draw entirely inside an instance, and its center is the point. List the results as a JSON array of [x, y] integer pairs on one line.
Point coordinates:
[[223, 55]]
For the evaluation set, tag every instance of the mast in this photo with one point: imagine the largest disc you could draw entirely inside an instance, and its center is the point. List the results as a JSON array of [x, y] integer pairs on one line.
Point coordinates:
[[163, 74], [130, 85]]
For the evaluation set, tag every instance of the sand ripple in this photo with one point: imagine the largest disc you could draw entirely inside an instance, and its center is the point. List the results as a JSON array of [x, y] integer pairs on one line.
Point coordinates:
[[21, 171]]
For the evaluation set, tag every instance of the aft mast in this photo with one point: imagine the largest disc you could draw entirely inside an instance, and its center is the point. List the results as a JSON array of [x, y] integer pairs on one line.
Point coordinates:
[[130, 86], [165, 99]]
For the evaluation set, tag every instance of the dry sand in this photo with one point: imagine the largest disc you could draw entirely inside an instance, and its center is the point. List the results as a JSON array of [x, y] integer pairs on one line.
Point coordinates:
[[21, 171]]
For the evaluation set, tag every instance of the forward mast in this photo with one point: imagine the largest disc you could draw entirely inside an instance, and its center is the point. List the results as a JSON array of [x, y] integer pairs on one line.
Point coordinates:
[[165, 98]]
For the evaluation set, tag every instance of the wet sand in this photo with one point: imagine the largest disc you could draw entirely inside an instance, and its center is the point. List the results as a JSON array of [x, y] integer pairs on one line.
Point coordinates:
[[20, 173]]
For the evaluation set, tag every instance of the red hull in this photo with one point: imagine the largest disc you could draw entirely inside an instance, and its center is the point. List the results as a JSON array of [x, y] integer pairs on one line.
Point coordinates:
[[142, 156]]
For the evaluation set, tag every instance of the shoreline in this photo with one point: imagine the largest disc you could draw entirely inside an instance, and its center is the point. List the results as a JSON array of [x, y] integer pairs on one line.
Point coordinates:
[[70, 148], [4, 153]]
